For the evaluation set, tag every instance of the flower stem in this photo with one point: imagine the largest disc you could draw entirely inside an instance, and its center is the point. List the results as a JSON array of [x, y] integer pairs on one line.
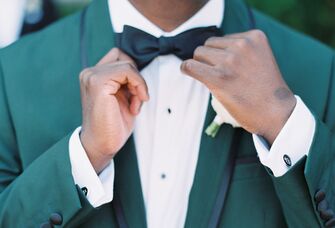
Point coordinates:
[[213, 129]]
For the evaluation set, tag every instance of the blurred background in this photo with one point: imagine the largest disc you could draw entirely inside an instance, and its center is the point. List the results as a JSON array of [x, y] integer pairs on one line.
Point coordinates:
[[313, 17]]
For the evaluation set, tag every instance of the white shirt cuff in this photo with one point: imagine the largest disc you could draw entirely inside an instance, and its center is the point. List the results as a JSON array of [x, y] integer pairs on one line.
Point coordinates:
[[292, 143], [99, 188]]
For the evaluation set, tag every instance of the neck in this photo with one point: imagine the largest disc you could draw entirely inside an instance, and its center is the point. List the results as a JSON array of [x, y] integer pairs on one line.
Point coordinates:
[[168, 14]]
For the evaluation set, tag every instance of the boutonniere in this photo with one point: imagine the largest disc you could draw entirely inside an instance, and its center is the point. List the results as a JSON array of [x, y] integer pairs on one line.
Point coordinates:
[[33, 11], [222, 116]]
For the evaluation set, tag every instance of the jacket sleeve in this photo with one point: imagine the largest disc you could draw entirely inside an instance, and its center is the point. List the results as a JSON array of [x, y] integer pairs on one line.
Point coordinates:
[[29, 197], [307, 191]]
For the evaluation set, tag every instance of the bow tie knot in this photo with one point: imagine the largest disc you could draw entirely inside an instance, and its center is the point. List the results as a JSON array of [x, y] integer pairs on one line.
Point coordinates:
[[166, 45], [143, 47]]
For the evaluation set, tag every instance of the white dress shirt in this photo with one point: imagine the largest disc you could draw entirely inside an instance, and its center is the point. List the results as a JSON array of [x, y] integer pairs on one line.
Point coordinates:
[[168, 130], [11, 20]]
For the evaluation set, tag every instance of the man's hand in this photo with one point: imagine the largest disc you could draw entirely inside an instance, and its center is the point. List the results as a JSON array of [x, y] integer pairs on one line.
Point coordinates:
[[112, 93], [241, 71]]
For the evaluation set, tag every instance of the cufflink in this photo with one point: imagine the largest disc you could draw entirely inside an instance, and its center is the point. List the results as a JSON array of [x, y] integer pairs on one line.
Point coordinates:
[[84, 190], [287, 160]]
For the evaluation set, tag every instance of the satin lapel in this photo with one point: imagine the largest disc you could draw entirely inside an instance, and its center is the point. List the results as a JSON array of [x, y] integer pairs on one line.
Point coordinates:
[[128, 186], [213, 152], [99, 39], [99, 34]]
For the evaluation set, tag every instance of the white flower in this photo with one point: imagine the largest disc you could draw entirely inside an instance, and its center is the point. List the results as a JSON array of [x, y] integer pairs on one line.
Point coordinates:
[[222, 116]]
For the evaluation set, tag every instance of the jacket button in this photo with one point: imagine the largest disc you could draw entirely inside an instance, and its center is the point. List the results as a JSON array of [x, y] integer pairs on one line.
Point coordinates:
[[287, 160], [56, 219], [322, 206], [319, 196], [46, 225], [327, 214], [330, 223]]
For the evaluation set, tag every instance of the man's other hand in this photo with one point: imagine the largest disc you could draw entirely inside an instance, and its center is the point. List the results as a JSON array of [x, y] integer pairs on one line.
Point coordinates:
[[112, 93]]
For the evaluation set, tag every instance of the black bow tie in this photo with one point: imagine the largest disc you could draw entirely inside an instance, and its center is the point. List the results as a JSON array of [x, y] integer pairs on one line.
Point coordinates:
[[143, 47]]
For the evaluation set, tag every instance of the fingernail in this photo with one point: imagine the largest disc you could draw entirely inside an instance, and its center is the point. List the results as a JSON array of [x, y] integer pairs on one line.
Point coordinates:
[[182, 66]]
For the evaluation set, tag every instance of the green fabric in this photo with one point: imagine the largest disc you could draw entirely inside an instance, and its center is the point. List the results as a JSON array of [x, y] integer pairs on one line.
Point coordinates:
[[40, 108]]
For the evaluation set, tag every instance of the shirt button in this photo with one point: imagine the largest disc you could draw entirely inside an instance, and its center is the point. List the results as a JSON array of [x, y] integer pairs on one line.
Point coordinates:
[[169, 110], [287, 160], [163, 176]]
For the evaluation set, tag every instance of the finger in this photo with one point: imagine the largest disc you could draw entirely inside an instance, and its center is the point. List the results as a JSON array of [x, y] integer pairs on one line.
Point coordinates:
[[115, 55], [127, 74], [135, 105], [200, 71], [236, 35], [246, 34], [111, 56], [225, 42], [113, 87], [209, 55], [124, 57]]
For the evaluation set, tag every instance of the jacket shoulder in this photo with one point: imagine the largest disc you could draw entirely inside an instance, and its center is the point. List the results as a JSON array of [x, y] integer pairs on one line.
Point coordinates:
[[48, 46], [40, 74]]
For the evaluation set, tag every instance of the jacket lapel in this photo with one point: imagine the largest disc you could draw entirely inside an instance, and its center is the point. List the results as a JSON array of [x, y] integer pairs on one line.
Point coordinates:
[[99, 39], [128, 186], [213, 154], [98, 31]]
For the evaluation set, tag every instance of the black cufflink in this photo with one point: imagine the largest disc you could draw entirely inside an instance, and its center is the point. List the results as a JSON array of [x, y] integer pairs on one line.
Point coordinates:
[[84, 190], [287, 160]]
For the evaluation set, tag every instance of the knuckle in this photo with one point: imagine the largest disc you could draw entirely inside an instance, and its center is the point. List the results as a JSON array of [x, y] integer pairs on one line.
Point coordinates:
[[198, 51], [258, 35], [85, 73], [242, 43], [219, 72], [92, 81]]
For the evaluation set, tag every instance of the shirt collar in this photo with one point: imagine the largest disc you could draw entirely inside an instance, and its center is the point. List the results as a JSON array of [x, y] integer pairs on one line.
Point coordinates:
[[122, 13]]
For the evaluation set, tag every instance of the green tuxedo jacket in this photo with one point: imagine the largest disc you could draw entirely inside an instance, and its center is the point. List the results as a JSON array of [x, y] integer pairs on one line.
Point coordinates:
[[40, 108]]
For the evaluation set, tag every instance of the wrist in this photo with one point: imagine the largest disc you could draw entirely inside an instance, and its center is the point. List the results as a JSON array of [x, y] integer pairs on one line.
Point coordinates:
[[278, 119], [98, 159]]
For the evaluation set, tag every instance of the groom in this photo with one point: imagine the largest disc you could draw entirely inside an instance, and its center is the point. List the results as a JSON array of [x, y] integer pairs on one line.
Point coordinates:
[[102, 120]]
